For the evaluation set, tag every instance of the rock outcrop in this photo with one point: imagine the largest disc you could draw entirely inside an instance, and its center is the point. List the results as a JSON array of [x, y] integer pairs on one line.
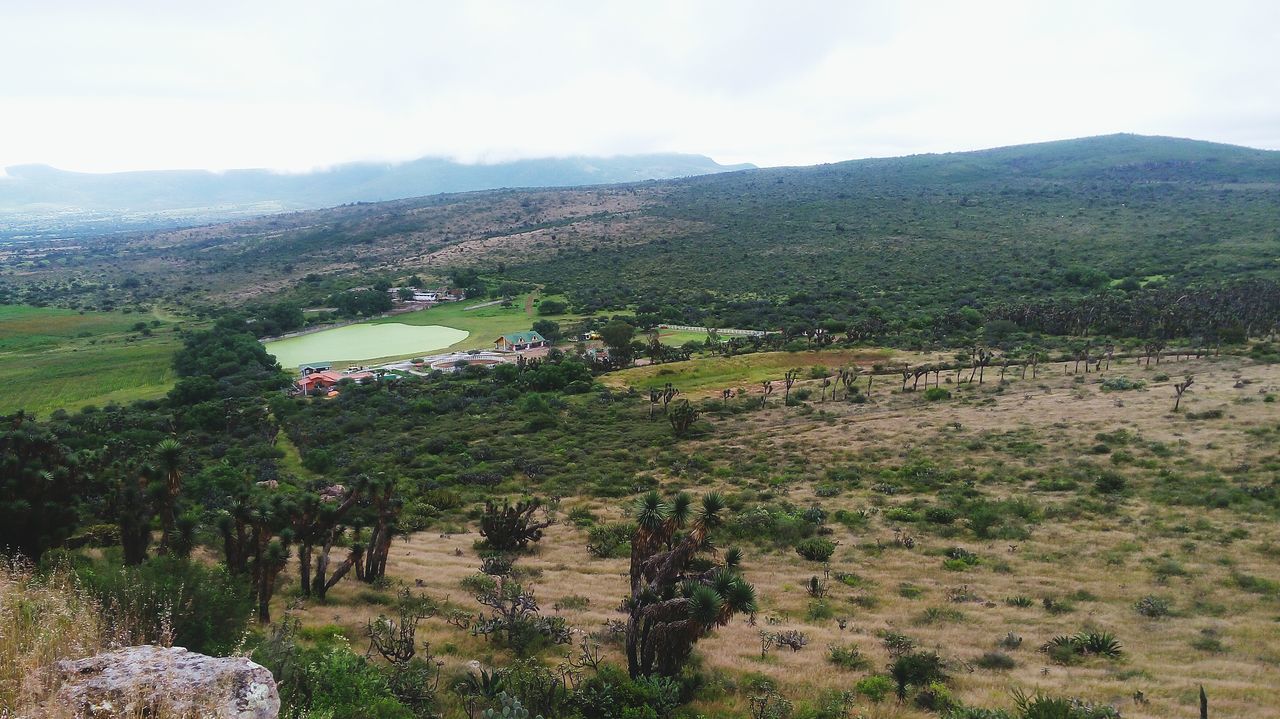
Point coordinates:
[[166, 681]]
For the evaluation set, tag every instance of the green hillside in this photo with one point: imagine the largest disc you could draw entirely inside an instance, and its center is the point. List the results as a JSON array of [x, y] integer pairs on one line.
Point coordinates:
[[906, 240], [1098, 235]]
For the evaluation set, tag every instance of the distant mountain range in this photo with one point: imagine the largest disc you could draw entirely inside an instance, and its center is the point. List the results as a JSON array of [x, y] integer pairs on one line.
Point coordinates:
[[42, 200]]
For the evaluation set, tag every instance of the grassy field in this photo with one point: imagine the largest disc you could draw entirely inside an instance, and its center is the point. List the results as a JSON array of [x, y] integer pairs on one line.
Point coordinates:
[[1083, 560], [484, 324], [53, 358], [675, 338], [710, 375]]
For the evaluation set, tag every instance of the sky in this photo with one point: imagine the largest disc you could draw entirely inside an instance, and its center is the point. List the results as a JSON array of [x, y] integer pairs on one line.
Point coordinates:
[[109, 85]]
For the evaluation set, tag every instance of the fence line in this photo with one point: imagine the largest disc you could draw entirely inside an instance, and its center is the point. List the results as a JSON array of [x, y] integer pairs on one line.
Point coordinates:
[[722, 331]]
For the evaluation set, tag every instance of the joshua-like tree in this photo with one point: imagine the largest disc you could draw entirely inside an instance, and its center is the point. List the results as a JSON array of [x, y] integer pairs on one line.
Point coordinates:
[[512, 527], [789, 379], [1180, 389], [169, 461], [682, 417], [679, 593]]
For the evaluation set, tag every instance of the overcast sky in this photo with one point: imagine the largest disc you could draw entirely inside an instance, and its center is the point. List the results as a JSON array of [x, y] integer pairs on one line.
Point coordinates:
[[102, 85]]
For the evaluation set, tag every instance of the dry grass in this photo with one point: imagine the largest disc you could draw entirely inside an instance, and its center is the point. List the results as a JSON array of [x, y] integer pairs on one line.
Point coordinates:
[[1106, 561], [43, 619], [48, 617]]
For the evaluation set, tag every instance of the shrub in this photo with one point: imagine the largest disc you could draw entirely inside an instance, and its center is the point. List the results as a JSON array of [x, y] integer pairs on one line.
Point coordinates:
[[936, 394], [816, 549], [611, 693], [610, 540], [1053, 605], [205, 607], [898, 644], [959, 559], [1208, 641], [327, 680], [917, 669], [940, 515], [848, 657], [936, 697], [1110, 483], [96, 535], [875, 687], [1123, 384], [1022, 601], [996, 661], [819, 609], [1153, 607]]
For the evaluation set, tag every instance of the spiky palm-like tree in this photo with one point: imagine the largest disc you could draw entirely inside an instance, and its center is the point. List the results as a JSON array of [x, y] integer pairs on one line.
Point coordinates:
[[169, 461], [672, 604]]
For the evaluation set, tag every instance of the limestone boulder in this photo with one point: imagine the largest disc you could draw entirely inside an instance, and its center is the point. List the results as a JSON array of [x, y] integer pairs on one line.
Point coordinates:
[[167, 682]]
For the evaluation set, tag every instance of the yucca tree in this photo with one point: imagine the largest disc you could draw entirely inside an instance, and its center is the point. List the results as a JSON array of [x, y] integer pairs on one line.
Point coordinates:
[[169, 461], [134, 512], [672, 605]]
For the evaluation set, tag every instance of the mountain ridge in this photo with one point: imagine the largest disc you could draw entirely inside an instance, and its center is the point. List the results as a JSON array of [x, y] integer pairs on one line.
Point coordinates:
[[44, 196]]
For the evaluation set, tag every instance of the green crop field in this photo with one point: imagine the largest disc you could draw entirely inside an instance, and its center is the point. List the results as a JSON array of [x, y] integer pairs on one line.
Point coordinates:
[[61, 359]]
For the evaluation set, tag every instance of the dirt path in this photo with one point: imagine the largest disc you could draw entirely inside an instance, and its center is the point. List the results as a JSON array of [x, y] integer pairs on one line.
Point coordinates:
[[528, 304]]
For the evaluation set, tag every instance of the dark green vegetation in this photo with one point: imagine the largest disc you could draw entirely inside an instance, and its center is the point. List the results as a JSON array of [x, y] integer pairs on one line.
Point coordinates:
[[937, 246], [1122, 235]]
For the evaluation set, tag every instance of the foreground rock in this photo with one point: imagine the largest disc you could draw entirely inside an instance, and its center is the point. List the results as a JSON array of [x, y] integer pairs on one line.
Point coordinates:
[[160, 681]]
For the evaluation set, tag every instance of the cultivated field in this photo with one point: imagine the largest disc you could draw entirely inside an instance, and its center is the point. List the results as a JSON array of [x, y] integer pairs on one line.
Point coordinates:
[[54, 358]]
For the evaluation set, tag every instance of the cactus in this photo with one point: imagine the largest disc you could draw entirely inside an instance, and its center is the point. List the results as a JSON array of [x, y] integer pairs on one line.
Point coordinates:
[[511, 709]]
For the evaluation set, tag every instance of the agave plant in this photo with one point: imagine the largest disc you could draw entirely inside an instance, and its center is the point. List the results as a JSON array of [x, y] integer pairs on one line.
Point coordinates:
[[1102, 644]]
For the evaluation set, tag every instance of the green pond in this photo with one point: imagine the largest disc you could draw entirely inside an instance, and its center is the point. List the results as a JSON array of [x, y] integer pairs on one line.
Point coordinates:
[[364, 342]]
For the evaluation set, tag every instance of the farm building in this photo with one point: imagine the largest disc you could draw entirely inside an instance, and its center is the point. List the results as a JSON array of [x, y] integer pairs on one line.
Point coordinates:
[[326, 380], [313, 367], [516, 341]]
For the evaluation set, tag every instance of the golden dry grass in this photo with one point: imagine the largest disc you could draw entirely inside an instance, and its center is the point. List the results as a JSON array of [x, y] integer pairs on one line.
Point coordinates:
[[1105, 560], [43, 619]]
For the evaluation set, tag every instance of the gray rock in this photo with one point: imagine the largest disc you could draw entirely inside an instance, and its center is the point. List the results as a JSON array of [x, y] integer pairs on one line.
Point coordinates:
[[168, 681]]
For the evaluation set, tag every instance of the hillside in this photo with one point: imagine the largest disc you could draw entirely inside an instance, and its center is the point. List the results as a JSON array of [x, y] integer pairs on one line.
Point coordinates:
[[36, 199], [871, 243]]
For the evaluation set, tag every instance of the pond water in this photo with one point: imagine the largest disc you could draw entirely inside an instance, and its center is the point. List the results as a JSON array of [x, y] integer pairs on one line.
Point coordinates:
[[363, 342]]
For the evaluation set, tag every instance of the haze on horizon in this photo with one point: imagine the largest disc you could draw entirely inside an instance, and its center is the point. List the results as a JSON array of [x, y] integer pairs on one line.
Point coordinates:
[[298, 85]]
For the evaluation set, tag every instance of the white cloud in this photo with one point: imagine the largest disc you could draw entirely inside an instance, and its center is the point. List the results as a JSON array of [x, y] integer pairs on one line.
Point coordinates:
[[293, 85]]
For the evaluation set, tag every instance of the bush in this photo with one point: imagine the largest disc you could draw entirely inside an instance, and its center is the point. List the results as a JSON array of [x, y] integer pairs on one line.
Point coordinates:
[[1153, 607], [848, 657], [875, 687], [328, 680], [611, 694], [936, 394], [816, 549], [917, 669], [610, 540], [996, 661], [1123, 384], [205, 607]]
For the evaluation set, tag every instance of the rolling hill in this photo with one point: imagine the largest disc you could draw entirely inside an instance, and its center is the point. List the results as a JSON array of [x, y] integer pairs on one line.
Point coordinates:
[[900, 242], [36, 198]]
